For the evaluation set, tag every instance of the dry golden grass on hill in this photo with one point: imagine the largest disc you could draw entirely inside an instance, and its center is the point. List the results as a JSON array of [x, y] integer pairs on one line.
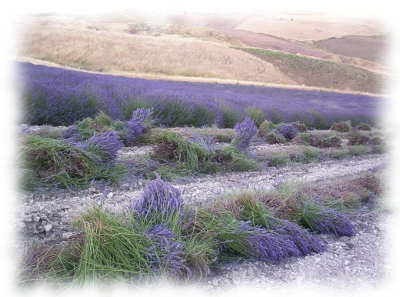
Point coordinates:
[[312, 27], [114, 52]]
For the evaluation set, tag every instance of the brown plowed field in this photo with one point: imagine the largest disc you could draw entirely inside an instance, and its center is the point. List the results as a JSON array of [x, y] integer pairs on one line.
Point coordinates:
[[372, 48]]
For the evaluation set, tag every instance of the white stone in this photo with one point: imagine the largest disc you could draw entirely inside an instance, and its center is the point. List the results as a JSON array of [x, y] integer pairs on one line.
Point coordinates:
[[48, 227]]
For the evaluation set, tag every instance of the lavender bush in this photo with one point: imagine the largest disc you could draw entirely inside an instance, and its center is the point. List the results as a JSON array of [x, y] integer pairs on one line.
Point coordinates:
[[245, 130], [135, 127], [57, 96], [288, 131], [160, 202], [207, 142], [166, 255], [105, 146]]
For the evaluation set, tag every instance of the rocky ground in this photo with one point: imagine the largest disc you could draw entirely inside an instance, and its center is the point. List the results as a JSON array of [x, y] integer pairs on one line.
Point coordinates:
[[355, 263]]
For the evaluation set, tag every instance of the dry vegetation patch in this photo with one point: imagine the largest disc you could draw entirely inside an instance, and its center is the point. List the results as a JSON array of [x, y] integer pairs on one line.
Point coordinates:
[[168, 55]]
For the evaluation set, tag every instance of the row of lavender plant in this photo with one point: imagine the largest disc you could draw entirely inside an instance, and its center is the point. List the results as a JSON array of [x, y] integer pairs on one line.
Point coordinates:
[[61, 97], [160, 235]]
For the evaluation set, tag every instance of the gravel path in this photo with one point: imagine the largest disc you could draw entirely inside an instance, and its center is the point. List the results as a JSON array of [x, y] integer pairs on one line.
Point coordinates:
[[349, 264]]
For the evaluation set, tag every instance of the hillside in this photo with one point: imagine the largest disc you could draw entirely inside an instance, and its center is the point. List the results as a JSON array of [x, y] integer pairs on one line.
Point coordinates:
[[219, 46]]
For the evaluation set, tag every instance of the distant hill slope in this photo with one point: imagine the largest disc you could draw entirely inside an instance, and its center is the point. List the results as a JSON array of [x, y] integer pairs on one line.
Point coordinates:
[[219, 46]]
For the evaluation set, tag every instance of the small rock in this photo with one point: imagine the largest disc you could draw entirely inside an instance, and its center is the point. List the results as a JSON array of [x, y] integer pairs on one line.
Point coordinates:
[[44, 218], [110, 195], [67, 235], [28, 220], [48, 227], [65, 207], [317, 260]]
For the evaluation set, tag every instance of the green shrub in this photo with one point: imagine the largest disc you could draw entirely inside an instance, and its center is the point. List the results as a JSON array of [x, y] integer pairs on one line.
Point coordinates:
[[230, 117]]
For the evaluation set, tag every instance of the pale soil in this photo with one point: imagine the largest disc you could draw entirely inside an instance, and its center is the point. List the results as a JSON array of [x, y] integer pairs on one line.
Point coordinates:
[[312, 27]]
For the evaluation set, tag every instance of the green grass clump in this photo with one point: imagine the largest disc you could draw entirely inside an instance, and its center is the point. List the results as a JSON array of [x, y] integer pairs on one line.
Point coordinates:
[[275, 138], [56, 162], [172, 146], [300, 126], [320, 141], [180, 156], [358, 139], [277, 159], [306, 155], [235, 160], [245, 206], [230, 117], [257, 115], [265, 128], [358, 150], [338, 153], [87, 127]]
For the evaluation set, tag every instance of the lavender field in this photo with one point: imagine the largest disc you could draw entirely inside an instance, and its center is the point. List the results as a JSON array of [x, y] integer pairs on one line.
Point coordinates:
[[55, 96]]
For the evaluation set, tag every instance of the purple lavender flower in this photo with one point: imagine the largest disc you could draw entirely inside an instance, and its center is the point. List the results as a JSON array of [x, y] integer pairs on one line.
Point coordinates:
[[71, 134], [135, 126], [57, 96], [305, 241], [208, 142], [245, 130], [166, 254], [326, 220], [141, 115], [288, 131], [268, 246], [159, 200], [105, 145]]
